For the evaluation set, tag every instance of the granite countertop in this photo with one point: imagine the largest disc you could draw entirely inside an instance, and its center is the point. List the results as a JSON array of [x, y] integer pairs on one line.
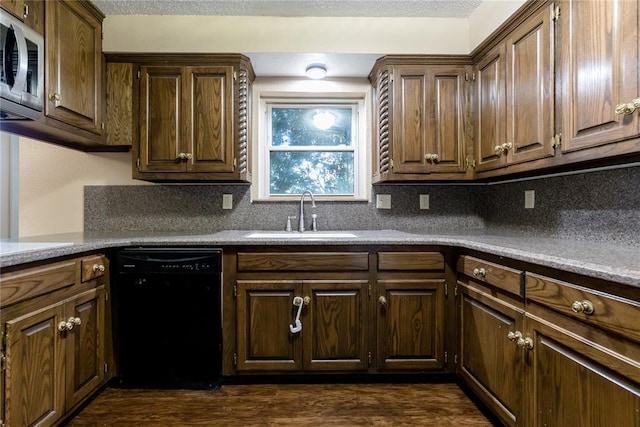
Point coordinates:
[[601, 260]]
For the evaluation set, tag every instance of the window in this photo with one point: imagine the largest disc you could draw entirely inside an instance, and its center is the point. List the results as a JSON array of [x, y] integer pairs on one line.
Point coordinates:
[[312, 143]]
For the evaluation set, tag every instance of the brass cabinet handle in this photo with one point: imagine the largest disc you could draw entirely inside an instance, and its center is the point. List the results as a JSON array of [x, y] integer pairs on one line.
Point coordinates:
[[525, 343], [498, 149], [188, 156], [98, 267], [54, 97], [514, 336], [432, 157], [584, 306], [479, 272], [306, 300], [185, 156], [383, 301], [63, 326], [502, 149], [628, 108]]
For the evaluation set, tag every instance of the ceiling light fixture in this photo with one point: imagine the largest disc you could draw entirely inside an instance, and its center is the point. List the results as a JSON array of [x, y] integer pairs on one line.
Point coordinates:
[[316, 71]]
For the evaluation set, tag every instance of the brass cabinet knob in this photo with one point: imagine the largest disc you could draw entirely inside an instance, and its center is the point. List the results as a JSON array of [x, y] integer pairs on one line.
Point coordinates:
[[182, 156], [507, 146], [98, 267], [514, 336], [479, 272], [584, 306], [54, 97], [75, 321], [525, 343], [62, 326], [383, 301], [432, 157], [498, 149], [628, 108], [306, 300]]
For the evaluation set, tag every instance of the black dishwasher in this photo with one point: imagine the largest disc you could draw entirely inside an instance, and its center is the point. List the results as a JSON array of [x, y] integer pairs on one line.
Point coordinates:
[[168, 317]]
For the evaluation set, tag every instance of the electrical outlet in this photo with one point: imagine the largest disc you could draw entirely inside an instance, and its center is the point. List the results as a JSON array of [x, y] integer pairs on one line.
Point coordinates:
[[383, 201], [227, 201], [529, 199], [424, 201]]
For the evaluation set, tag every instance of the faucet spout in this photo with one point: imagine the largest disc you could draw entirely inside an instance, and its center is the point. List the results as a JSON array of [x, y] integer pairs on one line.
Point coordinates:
[[313, 205]]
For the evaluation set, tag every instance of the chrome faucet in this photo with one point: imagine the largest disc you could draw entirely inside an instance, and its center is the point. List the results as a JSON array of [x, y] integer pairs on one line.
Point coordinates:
[[313, 205]]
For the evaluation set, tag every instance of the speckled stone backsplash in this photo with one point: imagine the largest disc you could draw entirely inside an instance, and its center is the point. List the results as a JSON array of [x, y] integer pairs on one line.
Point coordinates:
[[603, 205]]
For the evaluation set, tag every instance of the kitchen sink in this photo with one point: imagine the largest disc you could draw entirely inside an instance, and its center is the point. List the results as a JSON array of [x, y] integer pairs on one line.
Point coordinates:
[[294, 235]]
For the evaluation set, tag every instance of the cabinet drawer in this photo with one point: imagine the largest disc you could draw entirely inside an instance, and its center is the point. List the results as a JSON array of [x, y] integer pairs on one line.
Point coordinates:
[[32, 282], [506, 278], [410, 261], [607, 311], [93, 267], [282, 261]]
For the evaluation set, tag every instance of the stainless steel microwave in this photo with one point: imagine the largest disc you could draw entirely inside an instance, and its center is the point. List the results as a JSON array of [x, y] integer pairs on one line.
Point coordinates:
[[22, 71]]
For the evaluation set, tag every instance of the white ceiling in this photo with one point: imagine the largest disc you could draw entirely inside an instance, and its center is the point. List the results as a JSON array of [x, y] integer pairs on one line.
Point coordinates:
[[356, 8], [294, 64]]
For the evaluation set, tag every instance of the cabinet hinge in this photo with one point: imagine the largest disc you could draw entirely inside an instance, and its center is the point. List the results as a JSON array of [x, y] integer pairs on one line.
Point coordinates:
[[235, 291], [25, 11], [455, 291], [391, 164], [446, 290], [235, 359], [556, 140], [555, 13], [455, 359], [138, 75], [106, 368], [106, 296], [469, 163], [235, 163], [3, 362], [470, 77], [370, 358], [102, 125], [369, 291], [235, 75], [446, 357], [138, 164], [390, 77]]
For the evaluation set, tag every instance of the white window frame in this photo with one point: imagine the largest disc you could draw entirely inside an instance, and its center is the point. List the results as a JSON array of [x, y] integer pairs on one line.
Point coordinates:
[[357, 99]]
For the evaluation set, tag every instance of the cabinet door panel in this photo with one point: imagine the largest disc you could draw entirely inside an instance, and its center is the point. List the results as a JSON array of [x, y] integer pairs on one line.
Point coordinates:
[[490, 109], [410, 119], [335, 325], [410, 324], [446, 134], [35, 368], [598, 67], [530, 89], [578, 381], [212, 119], [265, 310], [160, 118], [74, 65], [490, 363], [85, 346]]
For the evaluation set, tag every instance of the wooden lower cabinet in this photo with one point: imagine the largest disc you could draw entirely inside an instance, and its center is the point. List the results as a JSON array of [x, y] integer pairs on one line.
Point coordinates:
[[491, 363], [410, 320], [333, 317], [54, 353]]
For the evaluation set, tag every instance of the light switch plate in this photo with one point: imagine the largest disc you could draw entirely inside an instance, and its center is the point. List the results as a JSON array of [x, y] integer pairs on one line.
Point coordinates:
[[383, 201], [529, 199], [424, 201], [227, 201]]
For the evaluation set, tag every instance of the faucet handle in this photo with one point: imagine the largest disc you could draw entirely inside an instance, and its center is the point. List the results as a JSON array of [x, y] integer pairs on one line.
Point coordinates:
[[289, 218], [314, 222]]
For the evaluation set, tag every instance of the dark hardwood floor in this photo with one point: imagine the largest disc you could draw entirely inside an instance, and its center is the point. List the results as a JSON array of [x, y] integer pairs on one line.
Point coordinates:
[[286, 405]]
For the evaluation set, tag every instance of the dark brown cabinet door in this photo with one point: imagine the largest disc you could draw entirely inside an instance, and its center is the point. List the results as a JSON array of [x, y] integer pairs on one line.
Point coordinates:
[[334, 325], [530, 100], [598, 57], [410, 319], [264, 312], [490, 362], [490, 110], [85, 343], [575, 380], [210, 138], [73, 65], [35, 368], [162, 116]]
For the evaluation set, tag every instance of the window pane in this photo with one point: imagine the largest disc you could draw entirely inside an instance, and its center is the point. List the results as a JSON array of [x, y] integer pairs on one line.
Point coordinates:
[[321, 172], [306, 126]]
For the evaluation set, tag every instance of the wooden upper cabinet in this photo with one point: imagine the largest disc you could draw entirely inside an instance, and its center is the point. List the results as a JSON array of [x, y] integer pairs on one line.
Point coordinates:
[[29, 11], [193, 119], [73, 65], [490, 110], [598, 60], [514, 96], [420, 119]]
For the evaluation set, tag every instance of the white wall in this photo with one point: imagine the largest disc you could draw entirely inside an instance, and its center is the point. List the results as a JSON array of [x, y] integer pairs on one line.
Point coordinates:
[[51, 184], [488, 17]]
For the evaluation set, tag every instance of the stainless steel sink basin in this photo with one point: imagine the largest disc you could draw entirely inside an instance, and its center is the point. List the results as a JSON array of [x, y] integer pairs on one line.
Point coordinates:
[[294, 235]]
